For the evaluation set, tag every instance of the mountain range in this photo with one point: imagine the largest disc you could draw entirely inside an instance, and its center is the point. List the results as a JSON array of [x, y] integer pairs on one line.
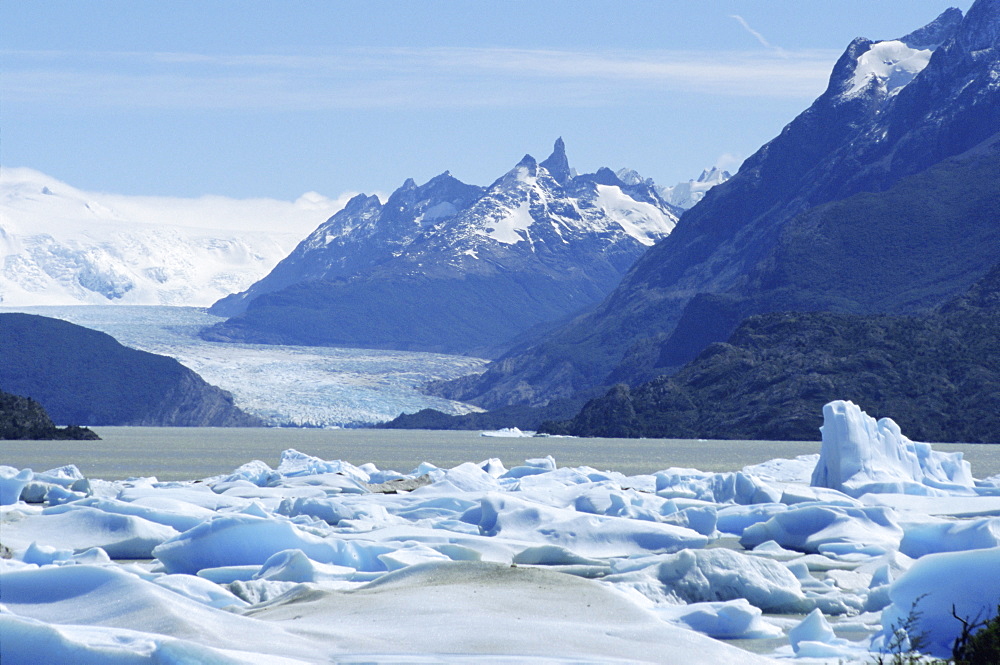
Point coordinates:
[[881, 198], [447, 266]]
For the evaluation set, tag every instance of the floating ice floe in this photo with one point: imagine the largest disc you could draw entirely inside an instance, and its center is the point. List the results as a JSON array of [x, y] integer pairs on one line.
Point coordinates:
[[507, 432], [323, 561]]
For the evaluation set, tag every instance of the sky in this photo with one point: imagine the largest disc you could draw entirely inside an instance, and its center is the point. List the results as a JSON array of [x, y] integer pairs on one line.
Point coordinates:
[[274, 99]]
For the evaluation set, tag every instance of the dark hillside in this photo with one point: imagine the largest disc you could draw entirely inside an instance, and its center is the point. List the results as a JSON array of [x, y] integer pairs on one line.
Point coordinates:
[[937, 375], [81, 376]]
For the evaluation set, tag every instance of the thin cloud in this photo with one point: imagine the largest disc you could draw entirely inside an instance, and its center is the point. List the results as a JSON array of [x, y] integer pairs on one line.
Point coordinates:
[[759, 37], [394, 78]]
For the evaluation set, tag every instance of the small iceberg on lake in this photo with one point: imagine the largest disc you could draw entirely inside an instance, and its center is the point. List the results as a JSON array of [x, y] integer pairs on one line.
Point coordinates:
[[508, 433], [862, 456]]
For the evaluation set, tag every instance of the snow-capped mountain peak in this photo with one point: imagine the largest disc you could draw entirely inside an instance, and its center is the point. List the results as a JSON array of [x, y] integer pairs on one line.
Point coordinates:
[[885, 67], [685, 195]]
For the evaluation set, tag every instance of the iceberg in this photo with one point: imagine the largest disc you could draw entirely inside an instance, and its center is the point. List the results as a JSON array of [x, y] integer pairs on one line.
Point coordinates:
[[861, 456]]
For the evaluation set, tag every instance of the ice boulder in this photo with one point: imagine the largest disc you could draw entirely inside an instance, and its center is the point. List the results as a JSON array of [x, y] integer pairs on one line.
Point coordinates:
[[729, 620], [937, 585], [581, 533], [814, 638], [739, 487], [121, 536], [294, 464], [230, 540], [826, 528], [860, 456], [929, 537], [711, 575], [12, 481], [295, 566]]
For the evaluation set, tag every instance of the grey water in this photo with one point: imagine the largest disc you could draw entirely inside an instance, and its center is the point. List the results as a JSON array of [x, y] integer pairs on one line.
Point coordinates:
[[179, 453]]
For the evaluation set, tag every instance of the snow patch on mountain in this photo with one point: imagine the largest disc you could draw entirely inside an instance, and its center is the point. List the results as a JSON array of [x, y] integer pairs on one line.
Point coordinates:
[[643, 221], [892, 64], [63, 246], [509, 229]]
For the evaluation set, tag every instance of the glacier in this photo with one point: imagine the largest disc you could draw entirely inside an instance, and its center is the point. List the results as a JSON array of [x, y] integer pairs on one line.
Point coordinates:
[[285, 385], [324, 561]]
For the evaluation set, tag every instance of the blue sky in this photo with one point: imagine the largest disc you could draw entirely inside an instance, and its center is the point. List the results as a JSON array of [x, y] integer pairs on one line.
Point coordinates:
[[274, 99]]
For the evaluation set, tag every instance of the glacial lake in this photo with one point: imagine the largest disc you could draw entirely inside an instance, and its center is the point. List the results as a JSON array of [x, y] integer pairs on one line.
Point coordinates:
[[178, 453]]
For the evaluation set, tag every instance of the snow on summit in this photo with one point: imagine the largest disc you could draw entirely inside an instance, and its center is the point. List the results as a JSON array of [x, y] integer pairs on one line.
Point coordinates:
[[891, 63], [63, 246]]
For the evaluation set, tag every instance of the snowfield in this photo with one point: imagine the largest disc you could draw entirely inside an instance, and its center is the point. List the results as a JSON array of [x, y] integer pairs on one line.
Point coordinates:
[[63, 246], [323, 561]]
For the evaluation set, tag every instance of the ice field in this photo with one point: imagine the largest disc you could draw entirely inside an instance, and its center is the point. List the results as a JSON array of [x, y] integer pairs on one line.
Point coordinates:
[[285, 385], [814, 559]]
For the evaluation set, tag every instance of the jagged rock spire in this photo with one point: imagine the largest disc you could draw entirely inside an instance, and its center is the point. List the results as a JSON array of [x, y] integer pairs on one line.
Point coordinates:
[[557, 164]]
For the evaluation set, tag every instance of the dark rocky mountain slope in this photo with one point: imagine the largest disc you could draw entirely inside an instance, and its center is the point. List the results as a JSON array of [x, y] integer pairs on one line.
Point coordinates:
[[937, 375], [881, 197], [84, 377]]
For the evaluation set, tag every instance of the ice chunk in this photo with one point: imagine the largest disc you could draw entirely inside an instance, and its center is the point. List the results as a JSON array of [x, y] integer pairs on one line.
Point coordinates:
[[860, 455], [586, 535], [728, 620], [66, 476], [103, 602], [507, 433], [200, 590], [233, 540], [937, 583], [736, 487], [334, 510], [735, 519], [695, 576], [293, 463], [949, 536], [121, 536], [828, 528], [814, 628], [176, 514], [295, 566], [12, 481], [255, 472], [532, 467]]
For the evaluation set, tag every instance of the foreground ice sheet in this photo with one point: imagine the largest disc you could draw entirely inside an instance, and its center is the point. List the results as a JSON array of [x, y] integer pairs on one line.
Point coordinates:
[[322, 561]]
